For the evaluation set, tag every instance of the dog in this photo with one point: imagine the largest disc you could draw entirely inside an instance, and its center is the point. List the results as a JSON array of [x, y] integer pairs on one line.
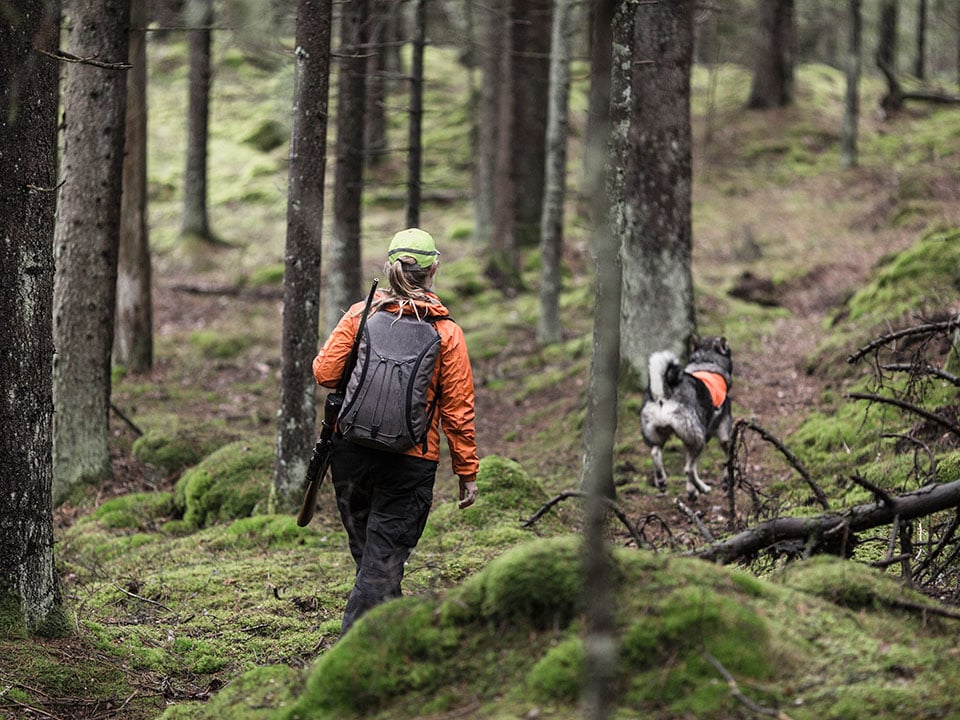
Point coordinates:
[[690, 402]]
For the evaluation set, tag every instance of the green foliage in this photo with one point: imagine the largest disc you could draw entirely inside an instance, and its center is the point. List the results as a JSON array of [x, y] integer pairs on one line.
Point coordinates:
[[231, 483]]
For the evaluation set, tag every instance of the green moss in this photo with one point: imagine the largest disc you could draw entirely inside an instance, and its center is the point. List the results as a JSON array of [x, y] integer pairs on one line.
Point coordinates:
[[558, 675], [848, 584], [214, 345], [396, 648], [534, 585], [137, 511], [253, 695], [266, 275], [268, 135], [172, 445], [231, 483]]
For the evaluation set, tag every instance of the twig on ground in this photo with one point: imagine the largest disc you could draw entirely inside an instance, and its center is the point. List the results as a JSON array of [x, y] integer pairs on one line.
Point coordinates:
[[614, 508], [695, 519], [736, 692]]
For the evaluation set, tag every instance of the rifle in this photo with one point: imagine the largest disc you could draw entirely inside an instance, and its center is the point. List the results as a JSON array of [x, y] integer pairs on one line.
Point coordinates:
[[320, 460]]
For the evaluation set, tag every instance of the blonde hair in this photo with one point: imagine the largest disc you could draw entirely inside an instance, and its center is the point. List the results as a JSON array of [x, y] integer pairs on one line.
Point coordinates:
[[408, 283]]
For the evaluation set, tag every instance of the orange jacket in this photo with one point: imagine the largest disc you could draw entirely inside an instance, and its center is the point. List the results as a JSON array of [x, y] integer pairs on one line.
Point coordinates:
[[456, 409]]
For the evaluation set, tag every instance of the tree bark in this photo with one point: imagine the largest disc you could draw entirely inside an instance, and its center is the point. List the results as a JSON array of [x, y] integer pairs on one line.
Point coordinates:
[[29, 593], [518, 187], [195, 217], [832, 529], [375, 132], [605, 192], [652, 212], [773, 69], [414, 144], [488, 125], [851, 114], [86, 242], [296, 422], [887, 42], [133, 333], [343, 272], [920, 68], [551, 223], [598, 104]]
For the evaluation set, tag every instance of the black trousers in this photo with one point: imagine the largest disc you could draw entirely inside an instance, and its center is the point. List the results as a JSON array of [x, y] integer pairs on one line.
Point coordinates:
[[384, 499]]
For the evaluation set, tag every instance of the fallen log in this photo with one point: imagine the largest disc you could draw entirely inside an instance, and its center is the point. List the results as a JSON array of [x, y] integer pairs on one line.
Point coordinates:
[[831, 529]]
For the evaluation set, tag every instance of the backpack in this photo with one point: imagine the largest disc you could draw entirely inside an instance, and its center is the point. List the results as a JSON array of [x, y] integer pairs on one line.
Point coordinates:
[[385, 405]]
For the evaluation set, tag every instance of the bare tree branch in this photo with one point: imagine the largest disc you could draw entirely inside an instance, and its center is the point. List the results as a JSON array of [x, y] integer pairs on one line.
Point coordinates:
[[927, 329], [904, 405]]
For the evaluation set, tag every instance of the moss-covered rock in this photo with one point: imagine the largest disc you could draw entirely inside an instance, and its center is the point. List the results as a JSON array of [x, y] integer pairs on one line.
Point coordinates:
[[170, 446], [233, 482]]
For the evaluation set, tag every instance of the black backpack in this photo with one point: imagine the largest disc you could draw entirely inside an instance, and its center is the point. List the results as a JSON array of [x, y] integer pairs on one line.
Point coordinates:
[[385, 405]]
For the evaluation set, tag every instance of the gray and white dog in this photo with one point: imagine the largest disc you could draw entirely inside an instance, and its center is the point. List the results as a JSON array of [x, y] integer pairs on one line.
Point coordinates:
[[690, 402]]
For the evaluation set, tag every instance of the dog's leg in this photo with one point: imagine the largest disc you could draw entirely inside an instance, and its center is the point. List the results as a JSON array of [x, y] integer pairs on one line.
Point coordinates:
[[659, 472], [695, 485]]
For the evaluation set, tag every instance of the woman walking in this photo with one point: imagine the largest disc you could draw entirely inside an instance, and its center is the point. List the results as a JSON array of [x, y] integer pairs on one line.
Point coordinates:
[[384, 496]]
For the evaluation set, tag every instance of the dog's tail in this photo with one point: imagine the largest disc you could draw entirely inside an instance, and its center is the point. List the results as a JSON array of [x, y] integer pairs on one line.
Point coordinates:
[[665, 372]]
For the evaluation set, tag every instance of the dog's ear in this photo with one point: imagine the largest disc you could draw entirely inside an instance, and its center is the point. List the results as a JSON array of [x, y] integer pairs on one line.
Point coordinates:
[[721, 346], [693, 343]]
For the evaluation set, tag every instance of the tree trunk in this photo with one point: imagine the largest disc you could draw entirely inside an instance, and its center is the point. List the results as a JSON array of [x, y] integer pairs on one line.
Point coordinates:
[[518, 186], [414, 145], [598, 110], [488, 126], [296, 422], [920, 66], [551, 225], [887, 43], [851, 115], [195, 220], [343, 273], [29, 593], [652, 211], [86, 241], [133, 341], [599, 691], [375, 132], [773, 69]]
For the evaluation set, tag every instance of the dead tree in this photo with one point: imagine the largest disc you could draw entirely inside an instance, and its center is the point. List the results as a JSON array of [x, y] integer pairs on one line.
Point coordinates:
[[896, 95]]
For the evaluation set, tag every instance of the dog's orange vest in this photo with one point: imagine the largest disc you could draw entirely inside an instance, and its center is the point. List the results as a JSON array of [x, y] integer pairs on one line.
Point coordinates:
[[715, 384]]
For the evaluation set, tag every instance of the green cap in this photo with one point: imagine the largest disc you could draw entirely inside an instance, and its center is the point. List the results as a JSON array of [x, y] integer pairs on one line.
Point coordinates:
[[417, 244]]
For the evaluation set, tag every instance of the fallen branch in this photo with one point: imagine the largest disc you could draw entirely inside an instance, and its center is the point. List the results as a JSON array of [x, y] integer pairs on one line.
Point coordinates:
[[260, 293], [816, 529], [904, 405]]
